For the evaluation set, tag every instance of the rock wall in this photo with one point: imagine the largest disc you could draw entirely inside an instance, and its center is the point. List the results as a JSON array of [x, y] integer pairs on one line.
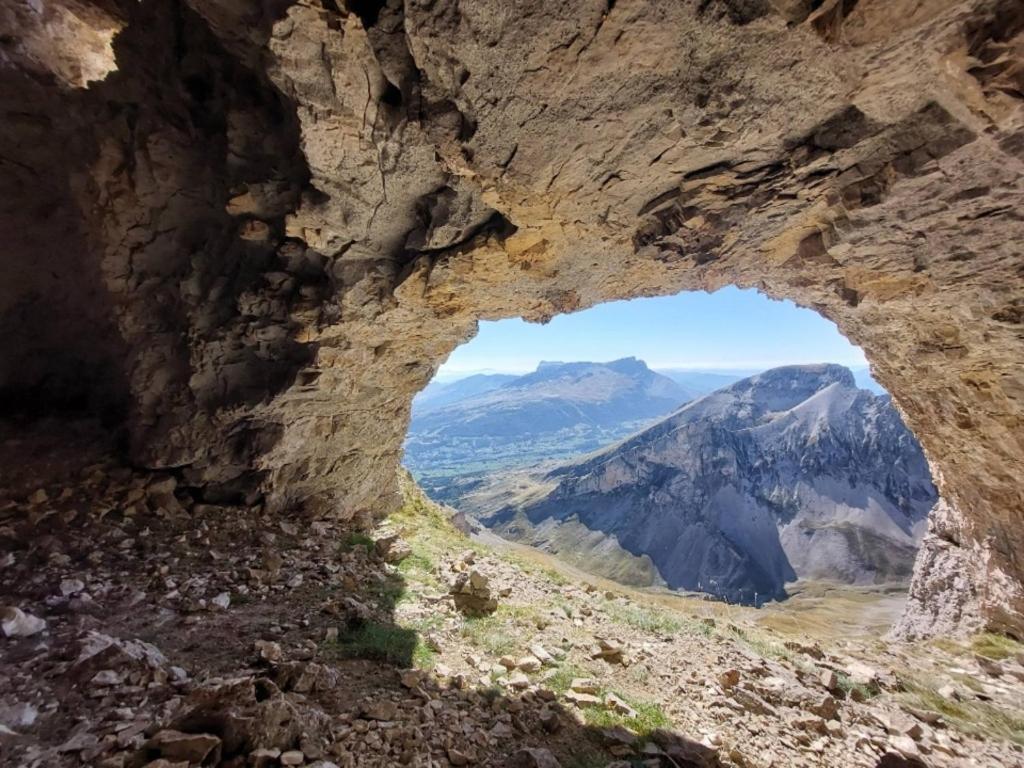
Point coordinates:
[[249, 233]]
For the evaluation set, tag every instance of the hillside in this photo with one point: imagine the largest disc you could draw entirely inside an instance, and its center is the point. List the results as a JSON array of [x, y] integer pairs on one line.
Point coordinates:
[[791, 473], [559, 410], [440, 394], [293, 640]]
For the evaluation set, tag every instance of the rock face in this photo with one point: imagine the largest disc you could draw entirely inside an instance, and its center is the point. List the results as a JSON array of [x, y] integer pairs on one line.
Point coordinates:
[[249, 232], [791, 473]]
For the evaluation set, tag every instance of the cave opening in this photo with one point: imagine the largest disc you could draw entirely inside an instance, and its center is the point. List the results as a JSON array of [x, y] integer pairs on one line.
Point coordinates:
[[722, 445]]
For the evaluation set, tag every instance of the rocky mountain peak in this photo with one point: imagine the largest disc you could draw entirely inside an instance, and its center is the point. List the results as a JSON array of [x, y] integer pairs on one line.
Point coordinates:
[[790, 473]]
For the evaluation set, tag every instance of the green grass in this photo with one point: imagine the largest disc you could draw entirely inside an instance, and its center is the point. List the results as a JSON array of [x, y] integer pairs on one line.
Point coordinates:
[[645, 619], [996, 647], [857, 691], [976, 716], [759, 644], [355, 539], [548, 572], [563, 677], [987, 644], [649, 716], [382, 642], [489, 633]]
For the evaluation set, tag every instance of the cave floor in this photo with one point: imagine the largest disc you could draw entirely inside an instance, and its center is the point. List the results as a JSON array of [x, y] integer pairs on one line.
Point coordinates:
[[203, 634]]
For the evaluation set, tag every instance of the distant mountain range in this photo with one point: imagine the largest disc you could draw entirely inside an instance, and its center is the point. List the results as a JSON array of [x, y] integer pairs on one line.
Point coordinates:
[[794, 472], [439, 394], [487, 422]]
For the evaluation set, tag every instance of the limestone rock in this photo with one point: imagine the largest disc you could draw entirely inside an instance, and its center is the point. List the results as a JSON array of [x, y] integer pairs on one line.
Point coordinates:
[[472, 593], [386, 191], [16, 623], [191, 748], [533, 758]]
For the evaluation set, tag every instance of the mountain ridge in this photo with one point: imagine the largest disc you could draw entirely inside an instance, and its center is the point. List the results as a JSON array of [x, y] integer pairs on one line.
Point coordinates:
[[743, 486]]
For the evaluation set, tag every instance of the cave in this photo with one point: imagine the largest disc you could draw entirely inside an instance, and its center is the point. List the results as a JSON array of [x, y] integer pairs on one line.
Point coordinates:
[[245, 235]]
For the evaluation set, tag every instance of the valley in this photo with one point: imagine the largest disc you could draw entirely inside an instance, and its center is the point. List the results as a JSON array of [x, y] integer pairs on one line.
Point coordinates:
[[463, 431], [792, 474]]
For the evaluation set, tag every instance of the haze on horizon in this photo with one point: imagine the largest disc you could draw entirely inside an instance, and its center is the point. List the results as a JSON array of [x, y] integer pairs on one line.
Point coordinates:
[[732, 330]]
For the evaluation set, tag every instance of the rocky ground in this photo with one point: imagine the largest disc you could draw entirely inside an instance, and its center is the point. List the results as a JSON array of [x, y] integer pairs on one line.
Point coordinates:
[[144, 627]]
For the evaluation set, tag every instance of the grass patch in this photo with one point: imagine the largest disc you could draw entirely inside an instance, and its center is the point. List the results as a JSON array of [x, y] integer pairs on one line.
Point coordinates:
[[563, 677], [382, 642], [987, 644], [976, 717], [354, 539], [489, 633], [997, 647], [643, 618], [649, 717], [548, 572], [768, 649], [855, 691]]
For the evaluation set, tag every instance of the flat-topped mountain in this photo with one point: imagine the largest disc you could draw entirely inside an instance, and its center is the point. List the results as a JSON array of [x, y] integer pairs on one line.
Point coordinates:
[[558, 410], [557, 396], [791, 473]]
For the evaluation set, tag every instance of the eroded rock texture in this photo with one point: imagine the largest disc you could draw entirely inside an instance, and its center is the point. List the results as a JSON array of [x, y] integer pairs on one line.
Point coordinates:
[[249, 232]]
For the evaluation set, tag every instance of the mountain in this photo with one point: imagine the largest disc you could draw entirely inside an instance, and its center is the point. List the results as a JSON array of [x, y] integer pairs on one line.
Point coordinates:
[[439, 394], [701, 382], [792, 473], [558, 410], [865, 380]]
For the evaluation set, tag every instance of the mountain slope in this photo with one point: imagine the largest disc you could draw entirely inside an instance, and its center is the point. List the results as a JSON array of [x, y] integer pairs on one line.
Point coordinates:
[[791, 473], [559, 410], [440, 394], [557, 396]]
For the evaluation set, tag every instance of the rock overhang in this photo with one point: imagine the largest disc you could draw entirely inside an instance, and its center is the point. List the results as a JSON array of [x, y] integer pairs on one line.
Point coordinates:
[[273, 232]]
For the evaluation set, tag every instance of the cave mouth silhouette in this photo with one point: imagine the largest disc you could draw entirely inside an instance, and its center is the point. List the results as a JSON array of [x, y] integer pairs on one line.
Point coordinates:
[[476, 421]]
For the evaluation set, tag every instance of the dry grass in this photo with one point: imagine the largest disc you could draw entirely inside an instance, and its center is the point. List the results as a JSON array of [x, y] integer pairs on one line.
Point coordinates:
[[974, 716]]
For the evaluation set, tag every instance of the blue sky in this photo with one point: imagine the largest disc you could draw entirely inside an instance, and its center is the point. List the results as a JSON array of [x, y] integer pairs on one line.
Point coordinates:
[[729, 329]]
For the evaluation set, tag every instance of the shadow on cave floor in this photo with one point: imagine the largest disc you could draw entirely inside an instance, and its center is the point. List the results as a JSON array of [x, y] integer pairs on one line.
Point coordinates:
[[200, 633]]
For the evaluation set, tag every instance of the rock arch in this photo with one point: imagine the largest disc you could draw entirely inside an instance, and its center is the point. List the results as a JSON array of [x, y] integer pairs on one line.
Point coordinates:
[[254, 240]]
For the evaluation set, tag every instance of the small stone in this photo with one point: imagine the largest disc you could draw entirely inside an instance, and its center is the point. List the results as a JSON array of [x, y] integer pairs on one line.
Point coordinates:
[[458, 758], [254, 231], [582, 699], [71, 587], [17, 623], [193, 747], [585, 685], [107, 677], [413, 678], [518, 680], [222, 601], [862, 674], [904, 745], [549, 720], [542, 654], [39, 496], [292, 757], [617, 704], [21, 715], [829, 679], [269, 651], [529, 664], [382, 709], [392, 548], [730, 678], [534, 758], [264, 758]]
